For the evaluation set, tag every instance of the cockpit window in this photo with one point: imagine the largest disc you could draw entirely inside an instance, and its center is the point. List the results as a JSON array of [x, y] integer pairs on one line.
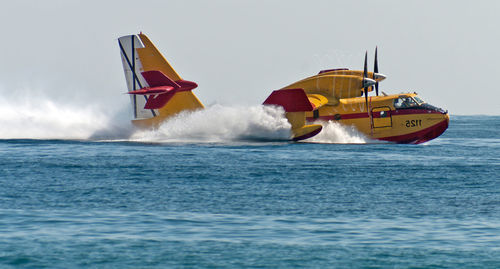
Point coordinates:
[[404, 102], [419, 101]]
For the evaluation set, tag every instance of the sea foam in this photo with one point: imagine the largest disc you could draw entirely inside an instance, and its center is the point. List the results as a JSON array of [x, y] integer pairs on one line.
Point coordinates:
[[42, 117], [334, 132], [220, 123]]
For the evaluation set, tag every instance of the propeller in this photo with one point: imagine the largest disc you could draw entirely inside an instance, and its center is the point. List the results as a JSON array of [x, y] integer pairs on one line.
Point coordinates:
[[375, 70], [367, 82], [376, 75], [365, 75]]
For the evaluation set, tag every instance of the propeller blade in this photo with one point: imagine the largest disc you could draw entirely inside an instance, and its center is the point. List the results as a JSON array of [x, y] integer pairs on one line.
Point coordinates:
[[365, 69], [365, 75], [375, 70]]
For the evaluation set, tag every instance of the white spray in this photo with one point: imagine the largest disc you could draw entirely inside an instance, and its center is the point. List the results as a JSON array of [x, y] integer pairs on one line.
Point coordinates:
[[334, 132], [222, 124], [37, 117]]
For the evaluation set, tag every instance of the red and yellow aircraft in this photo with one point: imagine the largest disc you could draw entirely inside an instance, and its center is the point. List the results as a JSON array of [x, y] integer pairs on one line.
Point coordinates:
[[158, 92], [401, 118]]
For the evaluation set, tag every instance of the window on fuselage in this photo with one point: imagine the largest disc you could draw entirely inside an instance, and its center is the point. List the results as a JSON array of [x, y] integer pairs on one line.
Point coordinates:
[[419, 101], [404, 102]]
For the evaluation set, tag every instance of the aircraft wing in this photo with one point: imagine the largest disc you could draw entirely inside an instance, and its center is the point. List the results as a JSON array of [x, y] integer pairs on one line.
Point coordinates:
[[295, 102], [332, 87]]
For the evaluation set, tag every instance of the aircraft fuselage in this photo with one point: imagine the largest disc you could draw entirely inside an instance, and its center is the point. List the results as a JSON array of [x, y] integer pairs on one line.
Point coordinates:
[[400, 118]]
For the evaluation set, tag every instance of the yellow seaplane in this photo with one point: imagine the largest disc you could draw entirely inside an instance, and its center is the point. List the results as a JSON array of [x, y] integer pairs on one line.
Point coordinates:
[[158, 92], [336, 95]]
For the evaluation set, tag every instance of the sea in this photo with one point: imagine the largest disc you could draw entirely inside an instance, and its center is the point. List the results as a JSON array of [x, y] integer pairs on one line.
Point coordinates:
[[224, 188]]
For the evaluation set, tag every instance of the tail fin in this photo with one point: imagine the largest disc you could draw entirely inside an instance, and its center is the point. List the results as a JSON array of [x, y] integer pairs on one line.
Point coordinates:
[[152, 59], [295, 103], [145, 67]]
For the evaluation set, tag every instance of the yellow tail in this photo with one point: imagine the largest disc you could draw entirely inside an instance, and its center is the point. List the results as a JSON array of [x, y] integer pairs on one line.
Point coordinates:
[[139, 55]]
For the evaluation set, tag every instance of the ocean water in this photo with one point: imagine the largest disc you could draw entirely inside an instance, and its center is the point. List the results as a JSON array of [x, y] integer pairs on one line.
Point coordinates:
[[202, 192]]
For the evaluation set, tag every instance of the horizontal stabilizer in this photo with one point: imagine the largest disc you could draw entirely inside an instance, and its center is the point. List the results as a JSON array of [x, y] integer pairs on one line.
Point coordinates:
[[158, 101], [152, 91], [292, 100], [158, 96], [156, 78]]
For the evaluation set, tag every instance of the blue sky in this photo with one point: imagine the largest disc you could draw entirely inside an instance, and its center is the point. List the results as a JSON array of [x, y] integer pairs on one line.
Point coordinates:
[[239, 51]]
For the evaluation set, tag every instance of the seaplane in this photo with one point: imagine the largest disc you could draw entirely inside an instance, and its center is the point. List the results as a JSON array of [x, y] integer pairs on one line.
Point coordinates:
[[336, 95], [157, 93]]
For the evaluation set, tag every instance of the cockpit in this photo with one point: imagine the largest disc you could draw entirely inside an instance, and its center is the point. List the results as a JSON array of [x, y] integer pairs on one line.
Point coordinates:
[[409, 102]]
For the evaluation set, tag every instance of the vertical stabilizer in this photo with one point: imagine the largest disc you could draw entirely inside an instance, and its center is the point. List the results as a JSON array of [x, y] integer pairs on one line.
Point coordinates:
[[139, 57], [152, 59]]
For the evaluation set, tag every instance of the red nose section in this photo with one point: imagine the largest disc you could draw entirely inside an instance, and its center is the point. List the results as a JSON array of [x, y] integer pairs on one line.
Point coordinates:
[[420, 136], [433, 132]]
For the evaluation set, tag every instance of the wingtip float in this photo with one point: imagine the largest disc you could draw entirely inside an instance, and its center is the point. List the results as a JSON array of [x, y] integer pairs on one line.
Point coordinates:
[[158, 92]]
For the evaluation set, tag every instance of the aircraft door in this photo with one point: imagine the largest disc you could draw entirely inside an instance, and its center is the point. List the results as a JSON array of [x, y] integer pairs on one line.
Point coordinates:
[[381, 117]]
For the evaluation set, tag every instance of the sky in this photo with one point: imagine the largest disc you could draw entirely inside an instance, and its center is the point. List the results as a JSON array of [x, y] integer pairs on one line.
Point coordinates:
[[239, 51]]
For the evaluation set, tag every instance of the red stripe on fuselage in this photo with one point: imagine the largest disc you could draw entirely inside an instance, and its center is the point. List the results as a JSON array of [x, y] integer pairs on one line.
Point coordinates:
[[375, 114], [413, 111]]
